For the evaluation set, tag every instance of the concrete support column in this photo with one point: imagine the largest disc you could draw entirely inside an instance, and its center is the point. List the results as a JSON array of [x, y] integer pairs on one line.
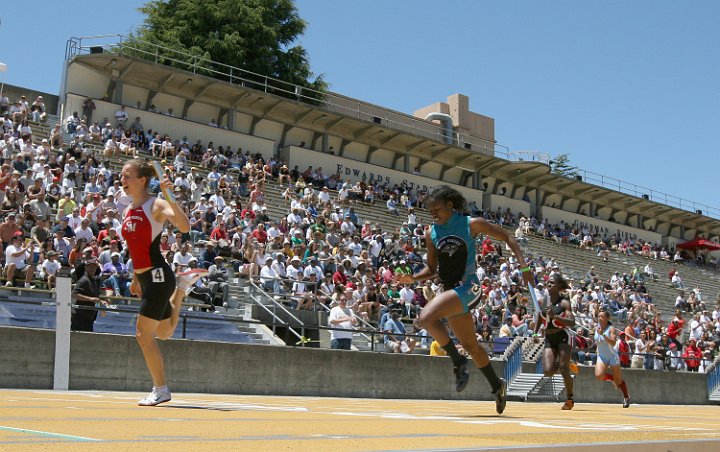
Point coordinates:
[[231, 119], [63, 311], [476, 180], [281, 141], [538, 203], [221, 115], [151, 97], [343, 144], [186, 107], [118, 94]]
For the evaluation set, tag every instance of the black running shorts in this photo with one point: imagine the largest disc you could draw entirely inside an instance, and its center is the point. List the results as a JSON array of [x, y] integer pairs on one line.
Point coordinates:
[[553, 340], [158, 285]]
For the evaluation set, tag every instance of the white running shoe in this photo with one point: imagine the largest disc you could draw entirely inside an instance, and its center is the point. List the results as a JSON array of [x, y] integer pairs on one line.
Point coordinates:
[[155, 398], [187, 279]]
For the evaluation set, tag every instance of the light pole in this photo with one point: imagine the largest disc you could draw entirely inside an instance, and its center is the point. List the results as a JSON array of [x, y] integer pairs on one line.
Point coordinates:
[[3, 69]]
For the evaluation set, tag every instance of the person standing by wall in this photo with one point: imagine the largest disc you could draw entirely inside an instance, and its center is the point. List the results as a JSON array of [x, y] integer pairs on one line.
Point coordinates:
[[86, 292], [341, 317]]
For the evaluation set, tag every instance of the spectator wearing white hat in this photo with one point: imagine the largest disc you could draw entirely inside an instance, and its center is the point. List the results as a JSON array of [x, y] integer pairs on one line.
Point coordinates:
[[677, 281], [49, 269], [294, 271], [117, 276], [269, 279]]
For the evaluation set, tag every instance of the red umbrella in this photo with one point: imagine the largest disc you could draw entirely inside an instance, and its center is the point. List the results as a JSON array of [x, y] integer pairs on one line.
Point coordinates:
[[699, 243]]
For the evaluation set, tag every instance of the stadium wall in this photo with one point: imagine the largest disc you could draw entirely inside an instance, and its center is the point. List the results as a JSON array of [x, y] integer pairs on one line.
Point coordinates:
[[495, 202], [556, 215], [112, 362], [354, 170], [14, 92], [176, 127]]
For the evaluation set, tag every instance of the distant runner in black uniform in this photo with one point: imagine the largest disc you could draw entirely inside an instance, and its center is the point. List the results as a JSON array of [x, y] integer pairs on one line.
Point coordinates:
[[557, 318]]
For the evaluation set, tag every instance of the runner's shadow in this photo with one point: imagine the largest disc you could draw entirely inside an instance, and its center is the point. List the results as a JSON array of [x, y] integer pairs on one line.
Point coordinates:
[[197, 407], [487, 416]]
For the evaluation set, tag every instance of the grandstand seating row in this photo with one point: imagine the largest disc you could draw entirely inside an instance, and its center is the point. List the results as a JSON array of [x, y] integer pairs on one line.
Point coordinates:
[[575, 262]]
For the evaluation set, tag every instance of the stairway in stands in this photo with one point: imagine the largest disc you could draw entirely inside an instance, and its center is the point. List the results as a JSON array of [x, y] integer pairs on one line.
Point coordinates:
[[530, 387], [715, 396], [533, 386]]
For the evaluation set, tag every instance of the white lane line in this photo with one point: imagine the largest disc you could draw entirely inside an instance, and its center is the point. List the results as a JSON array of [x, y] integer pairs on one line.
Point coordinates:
[[49, 434]]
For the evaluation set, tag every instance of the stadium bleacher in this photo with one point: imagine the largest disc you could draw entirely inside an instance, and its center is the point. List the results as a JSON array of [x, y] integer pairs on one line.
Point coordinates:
[[574, 262]]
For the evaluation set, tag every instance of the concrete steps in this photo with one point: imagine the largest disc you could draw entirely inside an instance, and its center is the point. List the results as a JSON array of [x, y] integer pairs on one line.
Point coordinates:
[[522, 385], [715, 396], [547, 389]]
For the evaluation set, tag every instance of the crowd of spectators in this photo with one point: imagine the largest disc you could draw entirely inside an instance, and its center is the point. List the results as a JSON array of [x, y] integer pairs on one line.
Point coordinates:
[[62, 205]]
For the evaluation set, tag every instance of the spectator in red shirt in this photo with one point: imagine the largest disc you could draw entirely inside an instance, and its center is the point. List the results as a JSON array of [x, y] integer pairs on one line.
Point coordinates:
[[674, 329], [221, 237], [220, 233], [105, 232], [386, 273], [339, 277], [582, 346], [260, 234], [692, 351], [487, 247], [623, 350]]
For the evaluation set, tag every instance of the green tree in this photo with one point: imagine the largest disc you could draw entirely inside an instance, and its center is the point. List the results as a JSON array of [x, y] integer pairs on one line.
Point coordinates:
[[561, 165], [255, 35]]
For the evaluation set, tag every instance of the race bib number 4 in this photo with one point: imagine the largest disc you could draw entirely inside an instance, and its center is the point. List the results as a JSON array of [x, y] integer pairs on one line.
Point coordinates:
[[158, 275]]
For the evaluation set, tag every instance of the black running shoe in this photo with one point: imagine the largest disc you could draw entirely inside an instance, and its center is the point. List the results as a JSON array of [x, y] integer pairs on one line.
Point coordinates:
[[500, 394], [626, 402], [462, 376]]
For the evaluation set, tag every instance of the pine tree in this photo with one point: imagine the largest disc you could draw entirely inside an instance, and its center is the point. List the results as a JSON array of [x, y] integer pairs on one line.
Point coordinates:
[[560, 165]]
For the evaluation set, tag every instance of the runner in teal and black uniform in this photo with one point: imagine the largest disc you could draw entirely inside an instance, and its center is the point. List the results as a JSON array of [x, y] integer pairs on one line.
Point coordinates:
[[451, 257]]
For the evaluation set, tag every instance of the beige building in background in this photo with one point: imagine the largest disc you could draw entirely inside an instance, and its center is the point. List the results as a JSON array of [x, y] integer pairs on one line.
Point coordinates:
[[464, 121]]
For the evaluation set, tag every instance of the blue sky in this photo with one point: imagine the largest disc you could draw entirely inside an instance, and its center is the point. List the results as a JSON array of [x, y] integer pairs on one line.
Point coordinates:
[[629, 89]]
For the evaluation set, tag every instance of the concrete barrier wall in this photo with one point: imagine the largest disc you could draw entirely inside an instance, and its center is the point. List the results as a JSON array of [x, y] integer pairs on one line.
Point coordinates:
[[112, 362]]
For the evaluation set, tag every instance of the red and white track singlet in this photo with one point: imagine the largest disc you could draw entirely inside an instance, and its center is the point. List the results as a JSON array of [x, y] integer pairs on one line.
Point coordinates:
[[142, 234]]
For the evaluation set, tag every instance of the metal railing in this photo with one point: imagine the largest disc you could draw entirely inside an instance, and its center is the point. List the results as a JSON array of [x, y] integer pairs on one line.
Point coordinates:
[[354, 108], [713, 377], [513, 359], [332, 102], [186, 316], [275, 306], [649, 194], [360, 321]]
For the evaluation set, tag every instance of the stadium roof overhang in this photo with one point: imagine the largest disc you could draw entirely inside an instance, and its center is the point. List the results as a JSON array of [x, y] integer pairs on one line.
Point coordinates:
[[292, 113]]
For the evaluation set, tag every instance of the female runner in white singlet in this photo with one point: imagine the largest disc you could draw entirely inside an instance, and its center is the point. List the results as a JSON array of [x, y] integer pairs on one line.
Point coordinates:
[[608, 358]]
